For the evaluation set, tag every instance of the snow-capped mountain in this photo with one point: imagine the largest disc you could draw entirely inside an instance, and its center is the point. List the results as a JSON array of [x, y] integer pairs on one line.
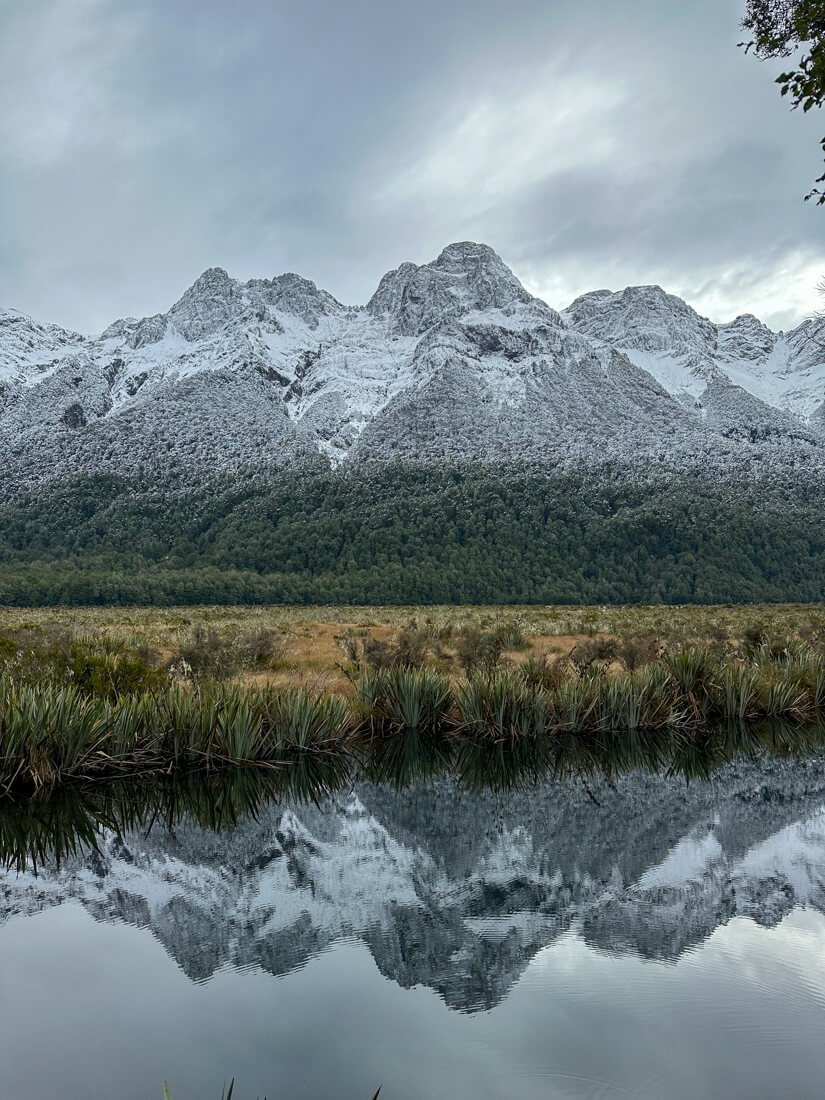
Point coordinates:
[[450, 361], [686, 353], [459, 891]]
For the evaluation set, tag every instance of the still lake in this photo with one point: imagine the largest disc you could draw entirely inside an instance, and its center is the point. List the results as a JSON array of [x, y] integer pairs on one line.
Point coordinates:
[[634, 936]]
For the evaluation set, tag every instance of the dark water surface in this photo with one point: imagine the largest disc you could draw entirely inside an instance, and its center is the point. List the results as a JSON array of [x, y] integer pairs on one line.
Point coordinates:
[[637, 936]]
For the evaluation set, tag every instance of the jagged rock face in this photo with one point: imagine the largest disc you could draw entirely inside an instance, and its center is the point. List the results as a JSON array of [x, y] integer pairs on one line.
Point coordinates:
[[535, 394], [643, 318], [687, 353], [466, 277], [458, 891], [448, 362], [29, 350]]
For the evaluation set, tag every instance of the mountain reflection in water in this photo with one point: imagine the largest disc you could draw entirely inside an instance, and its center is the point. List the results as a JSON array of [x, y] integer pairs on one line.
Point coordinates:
[[448, 885]]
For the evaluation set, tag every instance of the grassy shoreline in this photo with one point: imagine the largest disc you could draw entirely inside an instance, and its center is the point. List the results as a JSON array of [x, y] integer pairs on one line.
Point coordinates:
[[110, 693], [50, 735]]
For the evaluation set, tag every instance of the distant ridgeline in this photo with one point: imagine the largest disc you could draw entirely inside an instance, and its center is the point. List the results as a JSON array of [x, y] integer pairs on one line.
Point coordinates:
[[455, 441]]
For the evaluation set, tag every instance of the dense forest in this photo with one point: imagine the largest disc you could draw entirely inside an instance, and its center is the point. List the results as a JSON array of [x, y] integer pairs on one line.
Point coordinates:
[[410, 535]]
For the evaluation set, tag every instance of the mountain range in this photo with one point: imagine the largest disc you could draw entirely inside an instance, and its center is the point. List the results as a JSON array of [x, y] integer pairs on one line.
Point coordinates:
[[272, 399], [453, 360]]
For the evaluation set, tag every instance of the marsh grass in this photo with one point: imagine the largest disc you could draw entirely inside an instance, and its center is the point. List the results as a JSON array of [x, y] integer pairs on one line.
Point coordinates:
[[404, 700], [48, 735], [408, 720]]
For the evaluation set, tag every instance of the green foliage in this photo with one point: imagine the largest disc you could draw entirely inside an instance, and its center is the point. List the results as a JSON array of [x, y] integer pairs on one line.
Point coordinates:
[[301, 722], [793, 29], [97, 666], [412, 536], [404, 700], [411, 720], [501, 708], [479, 653]]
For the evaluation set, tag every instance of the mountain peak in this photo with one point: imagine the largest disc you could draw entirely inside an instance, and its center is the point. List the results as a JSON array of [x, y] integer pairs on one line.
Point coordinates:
[[207, 305], [466, 276], [645, 318], [291, 293], [466, 252]]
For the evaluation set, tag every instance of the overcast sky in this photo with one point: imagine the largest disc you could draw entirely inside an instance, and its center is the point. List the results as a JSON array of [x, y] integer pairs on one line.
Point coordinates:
[[591, 143]]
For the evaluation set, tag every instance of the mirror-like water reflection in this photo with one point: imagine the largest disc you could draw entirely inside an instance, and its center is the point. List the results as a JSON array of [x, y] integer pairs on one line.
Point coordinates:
[[629, 934]]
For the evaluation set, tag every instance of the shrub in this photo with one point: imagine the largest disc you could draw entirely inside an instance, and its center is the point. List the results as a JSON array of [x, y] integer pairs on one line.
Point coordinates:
[[595, 651], [511, 635], [545, 673], [261, 646], [377, 654], [110, 675], [408, 651], [411, 647], [479, 654], [637, 650], [211, 655]]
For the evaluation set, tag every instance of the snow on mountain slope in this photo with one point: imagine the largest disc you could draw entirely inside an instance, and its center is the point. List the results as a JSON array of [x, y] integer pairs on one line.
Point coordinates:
[[29, 350], [466, 277], [686, 352], [451, 360]]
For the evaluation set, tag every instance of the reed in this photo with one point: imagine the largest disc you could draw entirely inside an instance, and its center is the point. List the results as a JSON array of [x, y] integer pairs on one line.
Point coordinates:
[[410, 721], [404, 700], [501, 708]]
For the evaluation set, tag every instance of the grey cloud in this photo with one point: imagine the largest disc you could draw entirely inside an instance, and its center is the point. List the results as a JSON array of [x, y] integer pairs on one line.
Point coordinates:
[[591, 144]]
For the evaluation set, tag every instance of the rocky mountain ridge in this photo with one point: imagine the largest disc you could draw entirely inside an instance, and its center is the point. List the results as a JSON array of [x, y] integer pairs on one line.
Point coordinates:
[[451, 361]]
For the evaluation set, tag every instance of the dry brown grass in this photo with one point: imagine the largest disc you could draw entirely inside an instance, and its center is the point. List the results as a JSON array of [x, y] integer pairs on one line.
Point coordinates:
[[313, 655]]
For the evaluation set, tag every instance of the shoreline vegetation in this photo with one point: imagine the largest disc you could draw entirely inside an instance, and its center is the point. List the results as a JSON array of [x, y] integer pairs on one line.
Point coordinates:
[[486, 697]]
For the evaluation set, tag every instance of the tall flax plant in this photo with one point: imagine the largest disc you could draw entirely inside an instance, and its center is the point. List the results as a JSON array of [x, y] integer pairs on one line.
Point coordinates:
[[397, 700], [783, 698], [406, 717], [135, 725], [238, 736], [187, 725], [575, 706], [503, 731], [299, 722], [737, 693], [50, 732], [501, 708], [39, 831], [14, 736], [694, 673], [641, 700], [807, 672]]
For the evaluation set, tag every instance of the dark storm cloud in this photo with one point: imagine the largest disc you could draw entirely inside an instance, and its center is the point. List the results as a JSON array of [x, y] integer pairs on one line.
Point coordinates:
[[592, 144]]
